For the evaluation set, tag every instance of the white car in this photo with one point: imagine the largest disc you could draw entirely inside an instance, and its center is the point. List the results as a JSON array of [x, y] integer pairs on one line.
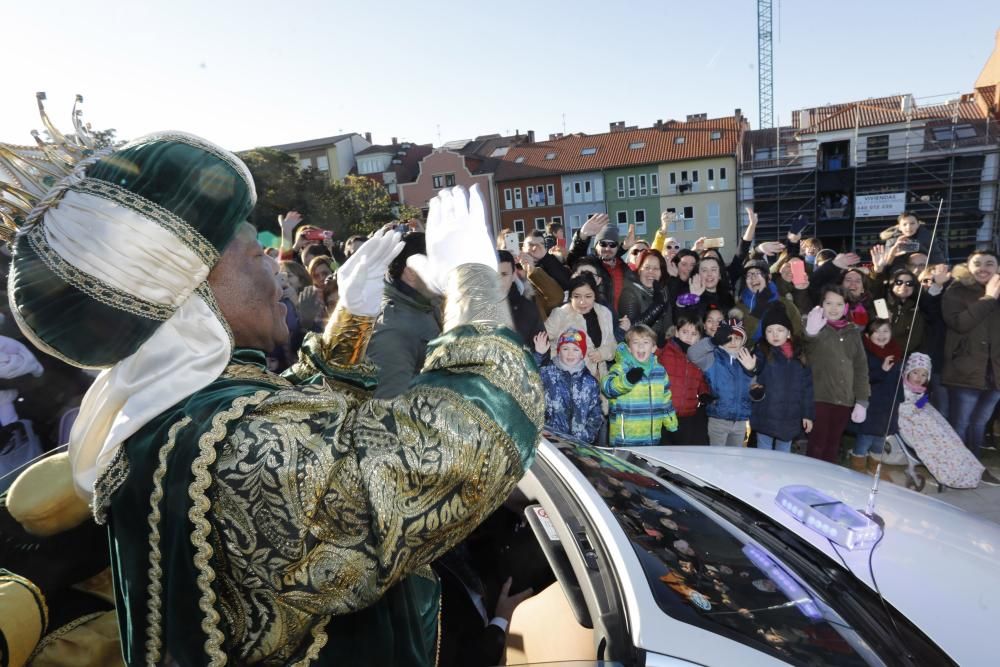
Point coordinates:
[[684, 556]]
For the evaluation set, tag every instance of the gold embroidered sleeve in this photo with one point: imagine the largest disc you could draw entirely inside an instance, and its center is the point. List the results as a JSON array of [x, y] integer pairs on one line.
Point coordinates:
[[323, 500], [337, 353]]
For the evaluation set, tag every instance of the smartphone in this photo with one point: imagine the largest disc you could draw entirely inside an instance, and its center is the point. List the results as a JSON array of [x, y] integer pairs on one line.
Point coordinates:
[[511, 244], [881, 309], [718, 242], [908, 246], [799, 225], [799, 275], [317, 235]]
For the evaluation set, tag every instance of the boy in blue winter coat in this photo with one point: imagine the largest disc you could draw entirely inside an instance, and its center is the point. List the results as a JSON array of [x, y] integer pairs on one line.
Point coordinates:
[[572, 398], [638, 390], [728, 368]]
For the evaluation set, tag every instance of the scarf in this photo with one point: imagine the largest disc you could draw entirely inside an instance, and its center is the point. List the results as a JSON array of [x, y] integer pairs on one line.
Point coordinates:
[[857, 313], [593, 327], [891, 349], [839, 324], [915, 388], [787, 349], [681, 344]]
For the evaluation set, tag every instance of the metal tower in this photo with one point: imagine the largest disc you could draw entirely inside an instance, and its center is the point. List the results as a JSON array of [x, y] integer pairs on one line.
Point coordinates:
[[765, 65]]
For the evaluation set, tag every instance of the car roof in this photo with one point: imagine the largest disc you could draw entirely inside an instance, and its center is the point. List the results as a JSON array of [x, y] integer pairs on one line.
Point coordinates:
[[937, 564]]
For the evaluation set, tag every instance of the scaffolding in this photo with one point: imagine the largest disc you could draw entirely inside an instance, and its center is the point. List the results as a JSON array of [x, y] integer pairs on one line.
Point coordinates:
[[954, 160]]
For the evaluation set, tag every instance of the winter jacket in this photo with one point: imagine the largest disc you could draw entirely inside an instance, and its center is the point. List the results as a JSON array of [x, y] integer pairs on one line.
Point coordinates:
[[638, 410], [839, 365], [972, 345], [408, 322], [788, 395], [525, 314], [564, 317], [882, 409], [754, 305], [572, 402], [645, 305], [728, 380], [686, 380]]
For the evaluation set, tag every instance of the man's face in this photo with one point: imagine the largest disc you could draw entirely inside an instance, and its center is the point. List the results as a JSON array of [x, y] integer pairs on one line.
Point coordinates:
[[607, 249], [534, 247], [506, 275], [916, 262], [245, 283], [983, 268], [909, 226], [641, 347]]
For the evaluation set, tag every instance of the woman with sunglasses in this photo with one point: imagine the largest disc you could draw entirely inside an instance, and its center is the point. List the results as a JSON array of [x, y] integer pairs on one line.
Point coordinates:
[[909, 325]]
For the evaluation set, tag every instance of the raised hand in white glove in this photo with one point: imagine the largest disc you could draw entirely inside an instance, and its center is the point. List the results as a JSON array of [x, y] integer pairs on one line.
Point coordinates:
[[17, 360], [859, 413], [456, 235], [360, 279], [815, 321]]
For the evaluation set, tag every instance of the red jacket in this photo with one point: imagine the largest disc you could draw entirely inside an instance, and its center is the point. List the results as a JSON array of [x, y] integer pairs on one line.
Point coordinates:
[[686, 379]]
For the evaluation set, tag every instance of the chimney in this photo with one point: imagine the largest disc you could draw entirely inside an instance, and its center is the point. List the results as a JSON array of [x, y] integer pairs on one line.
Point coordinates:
[[394, 141], [738, 113], [617, 127], [693, 117], [531, 136], [555, 135], [658, 124], [368, 137]]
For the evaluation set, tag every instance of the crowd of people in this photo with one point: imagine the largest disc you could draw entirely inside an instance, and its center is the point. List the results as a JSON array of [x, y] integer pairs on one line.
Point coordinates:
[[785, 346]]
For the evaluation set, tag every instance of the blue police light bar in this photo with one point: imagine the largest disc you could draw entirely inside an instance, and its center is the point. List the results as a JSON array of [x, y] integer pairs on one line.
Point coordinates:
[[828, 516]]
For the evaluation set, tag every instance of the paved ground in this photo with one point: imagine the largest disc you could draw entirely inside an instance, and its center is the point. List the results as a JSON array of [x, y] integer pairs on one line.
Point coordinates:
[[983, 501]]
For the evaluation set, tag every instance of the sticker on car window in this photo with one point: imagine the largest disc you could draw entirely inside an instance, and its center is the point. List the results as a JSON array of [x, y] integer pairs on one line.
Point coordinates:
[[543, 518]]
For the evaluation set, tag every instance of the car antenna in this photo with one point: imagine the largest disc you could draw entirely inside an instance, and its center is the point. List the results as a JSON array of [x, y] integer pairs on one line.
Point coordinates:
[[870, 507]]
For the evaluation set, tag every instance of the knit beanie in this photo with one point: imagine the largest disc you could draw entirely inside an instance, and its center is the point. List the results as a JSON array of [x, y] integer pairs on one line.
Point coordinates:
[[573, 337], [917, 360], [737, 326], [776, 314], [608, 233]]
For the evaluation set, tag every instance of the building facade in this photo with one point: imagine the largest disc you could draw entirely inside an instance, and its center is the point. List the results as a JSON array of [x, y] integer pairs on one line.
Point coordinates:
[[634, 199], [444, 168], [334, 156], [583, 196], [702, 193], [530, 203], [392, 165]]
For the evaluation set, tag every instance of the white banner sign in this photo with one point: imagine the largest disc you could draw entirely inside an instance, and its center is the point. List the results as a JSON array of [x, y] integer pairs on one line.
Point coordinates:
[[870, 206]]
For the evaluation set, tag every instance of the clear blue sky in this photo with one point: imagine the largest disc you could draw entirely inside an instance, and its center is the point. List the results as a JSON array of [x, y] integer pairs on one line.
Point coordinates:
[[251, 73]]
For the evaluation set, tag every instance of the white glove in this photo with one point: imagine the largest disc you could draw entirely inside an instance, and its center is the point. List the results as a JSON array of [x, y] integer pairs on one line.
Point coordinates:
[[815, 321], [456, 235], [360, 279], [16, 360], [859, 413]]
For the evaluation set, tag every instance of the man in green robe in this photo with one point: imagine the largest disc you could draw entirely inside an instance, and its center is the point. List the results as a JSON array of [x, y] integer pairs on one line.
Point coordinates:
[[256, 518]]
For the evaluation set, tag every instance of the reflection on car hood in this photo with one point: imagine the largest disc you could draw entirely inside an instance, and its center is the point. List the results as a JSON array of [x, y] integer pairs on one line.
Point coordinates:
[[937, 564]]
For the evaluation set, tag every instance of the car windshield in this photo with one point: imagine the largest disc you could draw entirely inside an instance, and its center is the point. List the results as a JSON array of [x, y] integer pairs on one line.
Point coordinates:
[[705, 572]]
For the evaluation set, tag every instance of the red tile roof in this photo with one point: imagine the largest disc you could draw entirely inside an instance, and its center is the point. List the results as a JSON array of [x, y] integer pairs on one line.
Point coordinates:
[[886, 111], [612, 149]]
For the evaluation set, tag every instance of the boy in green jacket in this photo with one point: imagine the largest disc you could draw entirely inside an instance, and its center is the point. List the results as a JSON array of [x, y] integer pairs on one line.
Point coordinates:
[[639, 392]]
